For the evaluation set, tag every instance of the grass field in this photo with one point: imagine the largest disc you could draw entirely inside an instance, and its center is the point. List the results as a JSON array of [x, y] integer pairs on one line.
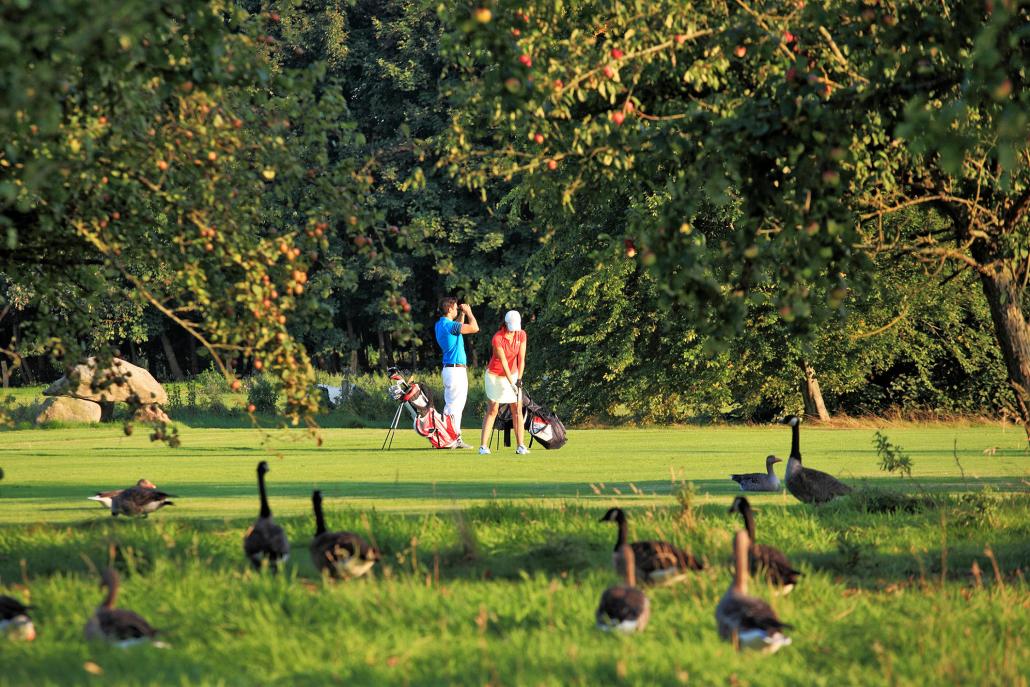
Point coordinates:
[[493, 565]]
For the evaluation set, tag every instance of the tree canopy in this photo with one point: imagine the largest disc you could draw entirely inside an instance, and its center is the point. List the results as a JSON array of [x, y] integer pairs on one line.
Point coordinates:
[[703, 208]]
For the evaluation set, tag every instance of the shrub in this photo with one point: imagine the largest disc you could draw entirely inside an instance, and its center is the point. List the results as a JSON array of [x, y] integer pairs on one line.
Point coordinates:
[[892, 457], [263, 394]]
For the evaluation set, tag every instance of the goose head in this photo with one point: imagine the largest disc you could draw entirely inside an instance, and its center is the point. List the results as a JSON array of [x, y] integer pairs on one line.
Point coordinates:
[[772, 460], [613, 515], [740, 503], [262, 467], [146, 484], [791, 420]]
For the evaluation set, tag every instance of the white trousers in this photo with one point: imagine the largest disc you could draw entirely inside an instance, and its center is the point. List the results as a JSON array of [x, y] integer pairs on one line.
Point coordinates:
[[455, 393]]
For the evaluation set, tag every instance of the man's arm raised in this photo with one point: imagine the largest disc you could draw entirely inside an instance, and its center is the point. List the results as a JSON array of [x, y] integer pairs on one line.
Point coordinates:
[[471, 327]]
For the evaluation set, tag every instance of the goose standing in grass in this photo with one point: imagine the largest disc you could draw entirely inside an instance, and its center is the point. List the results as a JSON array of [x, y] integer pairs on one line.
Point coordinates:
[[657, 562], [807, 485], [747, 621], [14, 620], [104, 497], [624, 608], [759, 481], [265, 540], [116, 625], [139, 500], [778, 569], [341, 554]]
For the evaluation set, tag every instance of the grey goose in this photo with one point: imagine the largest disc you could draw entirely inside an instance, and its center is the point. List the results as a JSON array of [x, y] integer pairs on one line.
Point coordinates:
[[139, 500], [760, 481], [104, 497]]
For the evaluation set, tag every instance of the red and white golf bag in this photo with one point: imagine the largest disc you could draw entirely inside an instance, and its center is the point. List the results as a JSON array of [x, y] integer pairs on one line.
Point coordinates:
[[426, 419]]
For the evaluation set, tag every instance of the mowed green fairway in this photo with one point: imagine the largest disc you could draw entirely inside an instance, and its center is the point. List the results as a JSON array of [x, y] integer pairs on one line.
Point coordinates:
[[493, 565]]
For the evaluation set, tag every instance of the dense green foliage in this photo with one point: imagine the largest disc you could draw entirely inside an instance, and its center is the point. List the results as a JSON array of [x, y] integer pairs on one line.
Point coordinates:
[[697, 207]]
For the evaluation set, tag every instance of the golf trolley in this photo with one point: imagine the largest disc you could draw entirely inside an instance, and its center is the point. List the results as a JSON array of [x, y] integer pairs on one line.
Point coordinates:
[[427, 421]]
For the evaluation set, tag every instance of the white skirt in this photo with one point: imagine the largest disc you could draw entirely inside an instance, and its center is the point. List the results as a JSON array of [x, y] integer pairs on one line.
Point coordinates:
[[498, 389]]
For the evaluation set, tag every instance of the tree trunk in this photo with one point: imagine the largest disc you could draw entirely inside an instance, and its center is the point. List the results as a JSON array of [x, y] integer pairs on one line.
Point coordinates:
[[354, 349], [173, 362], [6, 373], [1004, 298], [382, 351], [193, 355], [812, 394]]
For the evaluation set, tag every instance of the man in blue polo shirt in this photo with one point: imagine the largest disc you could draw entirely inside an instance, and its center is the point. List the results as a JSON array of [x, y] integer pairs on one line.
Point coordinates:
[[449, 330]]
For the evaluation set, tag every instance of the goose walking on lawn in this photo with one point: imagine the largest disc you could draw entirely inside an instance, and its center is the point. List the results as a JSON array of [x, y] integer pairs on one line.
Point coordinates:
[[656, 562], [341, 554], [139, 500], [265, 540], [104, 497], [777, 568], [747, 621], [624, 608], [760, 481], [808, 485], [116, 625], [14, 620]]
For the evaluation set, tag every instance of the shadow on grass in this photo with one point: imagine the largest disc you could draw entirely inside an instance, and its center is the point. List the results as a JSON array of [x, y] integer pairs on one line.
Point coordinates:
[[47, 494]]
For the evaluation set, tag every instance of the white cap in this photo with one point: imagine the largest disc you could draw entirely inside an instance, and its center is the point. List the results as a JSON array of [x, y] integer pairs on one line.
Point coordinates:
[[512, 320]]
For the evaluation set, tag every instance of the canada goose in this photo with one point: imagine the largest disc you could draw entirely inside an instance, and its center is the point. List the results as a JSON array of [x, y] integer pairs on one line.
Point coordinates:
[[139, 500], [657, 562], [624, 608], [807, 485], [104, 497], [777, 568], [341, 554], [747, 621], [758, 481], [265, 540], [14, 620], [116, 625]]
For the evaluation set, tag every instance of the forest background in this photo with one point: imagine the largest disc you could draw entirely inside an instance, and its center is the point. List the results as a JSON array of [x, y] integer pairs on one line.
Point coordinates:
[[286, 188]]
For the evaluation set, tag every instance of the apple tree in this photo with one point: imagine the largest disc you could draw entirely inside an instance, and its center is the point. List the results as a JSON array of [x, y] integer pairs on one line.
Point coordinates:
[[817, 120], [170, 155]]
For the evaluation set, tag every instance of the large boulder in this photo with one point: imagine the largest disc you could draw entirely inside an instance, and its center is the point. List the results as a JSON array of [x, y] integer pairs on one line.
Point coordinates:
[[121, 382], [67, 409]]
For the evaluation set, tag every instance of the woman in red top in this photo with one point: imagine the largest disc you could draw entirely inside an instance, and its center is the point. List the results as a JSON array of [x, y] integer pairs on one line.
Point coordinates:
[[507, 364]]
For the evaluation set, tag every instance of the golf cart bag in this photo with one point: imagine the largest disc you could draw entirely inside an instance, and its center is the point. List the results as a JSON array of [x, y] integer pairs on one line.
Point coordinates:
[[541, 424], [426, 419]]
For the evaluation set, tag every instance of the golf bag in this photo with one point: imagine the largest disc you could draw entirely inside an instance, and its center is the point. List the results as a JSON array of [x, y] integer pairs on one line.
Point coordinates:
[[540, 423], [426, 419]]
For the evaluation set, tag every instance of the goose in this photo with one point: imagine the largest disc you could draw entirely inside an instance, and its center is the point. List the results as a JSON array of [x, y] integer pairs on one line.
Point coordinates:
[[14, 620], [657, 562], [807, 485], [624, 608], [139, 500], [104, 497], [757, 481], [341, 554], [116, 625], [265, 540], [747, 621], [777, 568]]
